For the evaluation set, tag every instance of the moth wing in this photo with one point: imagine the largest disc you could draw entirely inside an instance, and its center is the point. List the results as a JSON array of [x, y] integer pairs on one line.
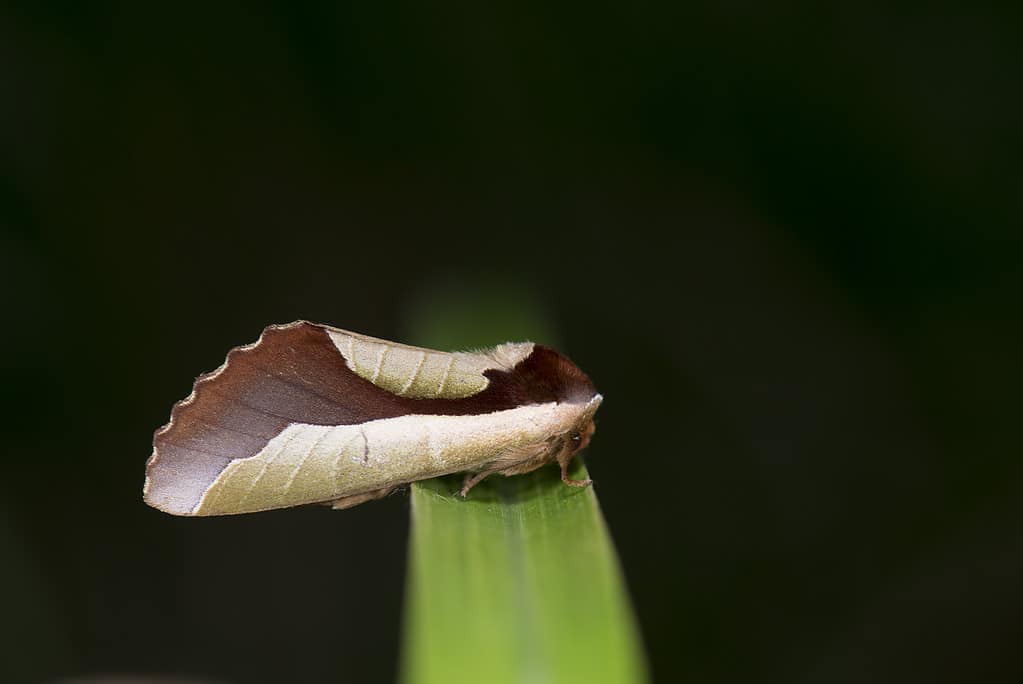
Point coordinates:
[[292, 374], [300, 394]]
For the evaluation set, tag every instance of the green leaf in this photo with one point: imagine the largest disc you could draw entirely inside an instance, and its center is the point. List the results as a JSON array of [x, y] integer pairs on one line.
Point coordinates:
[[518, 582]]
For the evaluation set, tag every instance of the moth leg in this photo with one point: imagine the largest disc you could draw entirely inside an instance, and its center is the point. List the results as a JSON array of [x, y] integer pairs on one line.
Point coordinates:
[[471, 480], [564, 459], [356, 499], [522, 461], [511, 462]]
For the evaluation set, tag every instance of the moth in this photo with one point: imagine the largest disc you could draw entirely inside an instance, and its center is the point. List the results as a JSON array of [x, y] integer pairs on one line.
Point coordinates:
[[315, 414]]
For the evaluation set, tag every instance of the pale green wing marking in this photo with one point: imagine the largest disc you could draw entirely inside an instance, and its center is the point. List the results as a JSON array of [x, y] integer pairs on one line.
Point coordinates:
[[424, 373], [310, 463]]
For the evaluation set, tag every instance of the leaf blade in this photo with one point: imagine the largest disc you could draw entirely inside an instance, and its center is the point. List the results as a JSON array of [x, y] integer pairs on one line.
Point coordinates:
[[519, 582]]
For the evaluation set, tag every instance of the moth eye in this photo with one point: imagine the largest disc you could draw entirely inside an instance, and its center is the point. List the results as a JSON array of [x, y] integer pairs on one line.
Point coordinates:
[[575, 437]]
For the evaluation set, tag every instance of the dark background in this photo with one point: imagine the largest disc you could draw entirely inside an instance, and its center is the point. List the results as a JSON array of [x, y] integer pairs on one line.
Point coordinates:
[[783, 238]]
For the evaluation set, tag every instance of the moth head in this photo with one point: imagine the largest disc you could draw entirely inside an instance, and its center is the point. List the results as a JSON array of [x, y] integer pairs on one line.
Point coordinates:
[[578, 438]]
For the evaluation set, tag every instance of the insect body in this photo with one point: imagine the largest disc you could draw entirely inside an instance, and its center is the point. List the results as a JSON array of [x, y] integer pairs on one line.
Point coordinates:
[[315, 414]]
